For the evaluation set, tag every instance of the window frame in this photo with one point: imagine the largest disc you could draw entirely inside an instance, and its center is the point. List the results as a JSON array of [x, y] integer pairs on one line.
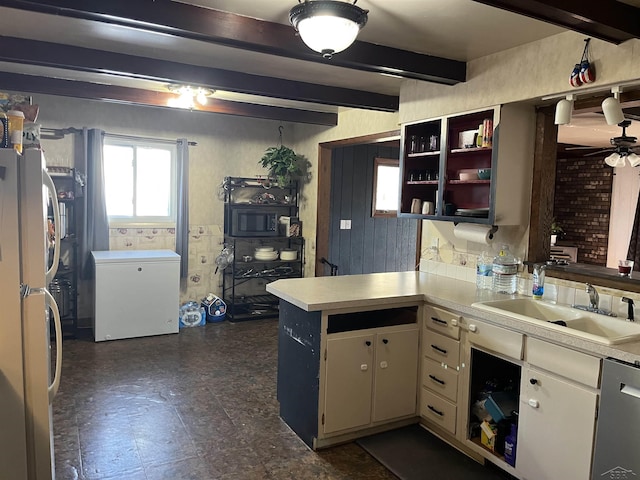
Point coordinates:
[[116, 221], [387, 162]]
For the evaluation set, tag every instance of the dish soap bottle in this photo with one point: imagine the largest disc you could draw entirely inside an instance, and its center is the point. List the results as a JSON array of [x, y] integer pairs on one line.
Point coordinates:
[[538, 281], [505, 272]]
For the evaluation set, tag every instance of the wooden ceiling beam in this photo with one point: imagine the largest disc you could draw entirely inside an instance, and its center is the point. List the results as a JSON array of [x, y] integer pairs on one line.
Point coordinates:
[[608, 20], [224, 28], [135, 96], [46, 54]]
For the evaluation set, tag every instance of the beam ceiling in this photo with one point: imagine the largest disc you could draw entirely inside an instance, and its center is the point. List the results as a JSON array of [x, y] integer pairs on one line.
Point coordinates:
[[208, 25], [117, 94], [607, 20], [33, 52]]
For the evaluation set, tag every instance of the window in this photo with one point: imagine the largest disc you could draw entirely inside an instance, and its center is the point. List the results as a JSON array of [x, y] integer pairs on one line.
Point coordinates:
[[140, 181], [386, 187]]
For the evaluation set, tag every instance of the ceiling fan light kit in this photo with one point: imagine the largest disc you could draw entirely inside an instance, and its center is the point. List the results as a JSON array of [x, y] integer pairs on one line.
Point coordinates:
[[187, 94], [327, 26]]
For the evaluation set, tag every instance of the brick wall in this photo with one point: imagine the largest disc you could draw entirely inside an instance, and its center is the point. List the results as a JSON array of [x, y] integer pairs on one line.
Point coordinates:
[[582, 204]]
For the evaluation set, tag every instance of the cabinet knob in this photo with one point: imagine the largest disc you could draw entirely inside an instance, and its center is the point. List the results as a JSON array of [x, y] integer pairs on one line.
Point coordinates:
[[139, 269], [367, 343], [385, 341], [472, 327], [533, 381], [533, 403]]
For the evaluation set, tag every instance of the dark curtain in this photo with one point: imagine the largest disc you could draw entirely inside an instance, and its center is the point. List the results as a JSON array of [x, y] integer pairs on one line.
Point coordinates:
[[634, 243], [182, 218], [95, 232]]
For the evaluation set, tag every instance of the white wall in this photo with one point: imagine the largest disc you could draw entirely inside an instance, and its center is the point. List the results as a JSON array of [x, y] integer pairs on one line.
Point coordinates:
[[227, 146]]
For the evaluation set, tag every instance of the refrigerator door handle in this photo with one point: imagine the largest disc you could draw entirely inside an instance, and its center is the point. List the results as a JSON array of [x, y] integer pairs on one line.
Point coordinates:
[[48, 182], [55, 384]]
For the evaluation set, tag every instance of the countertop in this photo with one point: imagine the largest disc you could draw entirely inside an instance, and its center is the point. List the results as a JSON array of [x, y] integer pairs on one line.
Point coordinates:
[[384, 289]]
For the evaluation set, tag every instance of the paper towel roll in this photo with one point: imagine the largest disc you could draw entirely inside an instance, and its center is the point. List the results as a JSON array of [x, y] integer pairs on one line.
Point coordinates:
[[474, 233]]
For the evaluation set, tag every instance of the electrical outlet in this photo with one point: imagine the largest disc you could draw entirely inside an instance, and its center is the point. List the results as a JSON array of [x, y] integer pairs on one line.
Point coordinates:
[[345, 224]]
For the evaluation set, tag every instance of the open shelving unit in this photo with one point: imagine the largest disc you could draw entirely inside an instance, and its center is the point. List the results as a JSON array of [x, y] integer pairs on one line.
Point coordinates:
[[244, 281]]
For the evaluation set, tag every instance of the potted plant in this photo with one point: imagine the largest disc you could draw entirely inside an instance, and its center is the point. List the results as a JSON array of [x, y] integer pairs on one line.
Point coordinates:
[[282, 163], [556, 230]]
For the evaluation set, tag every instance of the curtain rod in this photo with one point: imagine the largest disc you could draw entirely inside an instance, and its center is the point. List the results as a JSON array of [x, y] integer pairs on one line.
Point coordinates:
[[58, 133], [135, 137]]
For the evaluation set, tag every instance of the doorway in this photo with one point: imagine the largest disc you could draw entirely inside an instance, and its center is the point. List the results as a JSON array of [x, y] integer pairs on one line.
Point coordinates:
[[345, 181]]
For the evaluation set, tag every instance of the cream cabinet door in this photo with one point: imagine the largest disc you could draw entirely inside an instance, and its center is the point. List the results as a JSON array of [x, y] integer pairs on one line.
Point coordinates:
[[396, 375], [349, 380], [556, 428]]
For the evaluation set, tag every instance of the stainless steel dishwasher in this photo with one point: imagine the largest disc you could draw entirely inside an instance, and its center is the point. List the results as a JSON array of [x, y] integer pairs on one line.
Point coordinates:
[[616, 451]]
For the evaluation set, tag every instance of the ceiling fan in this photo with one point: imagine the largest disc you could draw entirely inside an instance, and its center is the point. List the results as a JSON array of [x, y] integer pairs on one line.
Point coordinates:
[[622, 146]]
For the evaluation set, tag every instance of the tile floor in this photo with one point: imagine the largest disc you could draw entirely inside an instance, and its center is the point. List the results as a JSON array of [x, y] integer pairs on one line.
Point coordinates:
[[198, 405]]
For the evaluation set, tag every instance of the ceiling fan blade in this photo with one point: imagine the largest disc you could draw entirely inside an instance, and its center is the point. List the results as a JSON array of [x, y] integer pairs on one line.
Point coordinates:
[[600, 152], [568, 149]]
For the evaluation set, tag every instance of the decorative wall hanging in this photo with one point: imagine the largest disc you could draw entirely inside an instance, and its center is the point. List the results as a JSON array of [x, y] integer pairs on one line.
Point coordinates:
[[583, 72]]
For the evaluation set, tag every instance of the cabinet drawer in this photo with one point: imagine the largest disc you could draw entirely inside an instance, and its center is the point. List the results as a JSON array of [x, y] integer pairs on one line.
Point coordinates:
[[442, 380], [438, 410], [496, 339], [442, 349], [442, 321], [573, 365]]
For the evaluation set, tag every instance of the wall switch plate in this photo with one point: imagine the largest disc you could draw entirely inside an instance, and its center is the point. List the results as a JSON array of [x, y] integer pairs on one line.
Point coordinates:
[[345, 224]]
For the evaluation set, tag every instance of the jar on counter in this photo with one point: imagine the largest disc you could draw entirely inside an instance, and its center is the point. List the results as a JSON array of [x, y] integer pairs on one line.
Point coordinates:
[[16, 124]]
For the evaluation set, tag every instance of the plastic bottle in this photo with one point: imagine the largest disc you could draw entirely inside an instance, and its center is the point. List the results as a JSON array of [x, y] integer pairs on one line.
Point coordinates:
[[484, 264], [510, 442], [538, 281], [505, 272]]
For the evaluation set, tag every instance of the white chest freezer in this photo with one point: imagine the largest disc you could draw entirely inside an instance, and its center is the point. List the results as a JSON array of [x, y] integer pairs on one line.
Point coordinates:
[[136, 293]]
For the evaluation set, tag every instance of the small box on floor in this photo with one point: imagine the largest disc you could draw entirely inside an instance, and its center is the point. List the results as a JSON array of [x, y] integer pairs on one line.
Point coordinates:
[[488, 433]]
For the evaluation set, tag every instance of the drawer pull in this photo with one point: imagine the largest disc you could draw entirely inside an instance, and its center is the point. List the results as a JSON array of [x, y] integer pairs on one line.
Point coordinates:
[[437, 320], [436, 379], [438, 349], [367, 343], [437, 412], [533, 381]]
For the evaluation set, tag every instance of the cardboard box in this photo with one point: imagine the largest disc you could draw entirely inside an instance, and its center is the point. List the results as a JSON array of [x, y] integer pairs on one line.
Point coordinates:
[[488, 434], [290, 226]]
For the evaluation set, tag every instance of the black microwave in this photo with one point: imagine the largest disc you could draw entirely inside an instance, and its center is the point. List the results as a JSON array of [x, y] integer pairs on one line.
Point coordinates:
[[254, 222]]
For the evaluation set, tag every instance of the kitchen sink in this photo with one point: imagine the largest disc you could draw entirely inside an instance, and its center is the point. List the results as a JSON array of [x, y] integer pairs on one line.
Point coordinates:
[[583, 324]]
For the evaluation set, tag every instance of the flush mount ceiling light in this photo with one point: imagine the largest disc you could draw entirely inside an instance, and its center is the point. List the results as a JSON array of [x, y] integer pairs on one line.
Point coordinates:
[[187, 94], [564, 108], [612, 109], [327, 26]]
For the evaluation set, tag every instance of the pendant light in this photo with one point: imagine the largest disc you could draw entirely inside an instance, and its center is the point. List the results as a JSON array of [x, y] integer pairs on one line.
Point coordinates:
[[612, 109], [564, 109], [327, 26]]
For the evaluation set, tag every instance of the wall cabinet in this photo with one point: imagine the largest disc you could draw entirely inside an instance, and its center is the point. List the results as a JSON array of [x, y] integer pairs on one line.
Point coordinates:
[[370, 377], [440, 159]]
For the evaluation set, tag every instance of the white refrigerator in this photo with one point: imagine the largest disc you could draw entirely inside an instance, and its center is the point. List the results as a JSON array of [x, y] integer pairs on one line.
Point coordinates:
[[28, 381]]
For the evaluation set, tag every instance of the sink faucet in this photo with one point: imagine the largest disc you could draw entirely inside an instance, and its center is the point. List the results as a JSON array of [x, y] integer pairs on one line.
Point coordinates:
[[594, 298]]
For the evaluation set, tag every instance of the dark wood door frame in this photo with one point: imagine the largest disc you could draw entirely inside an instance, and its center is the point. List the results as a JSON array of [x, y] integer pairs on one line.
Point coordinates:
[[325, 151]]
